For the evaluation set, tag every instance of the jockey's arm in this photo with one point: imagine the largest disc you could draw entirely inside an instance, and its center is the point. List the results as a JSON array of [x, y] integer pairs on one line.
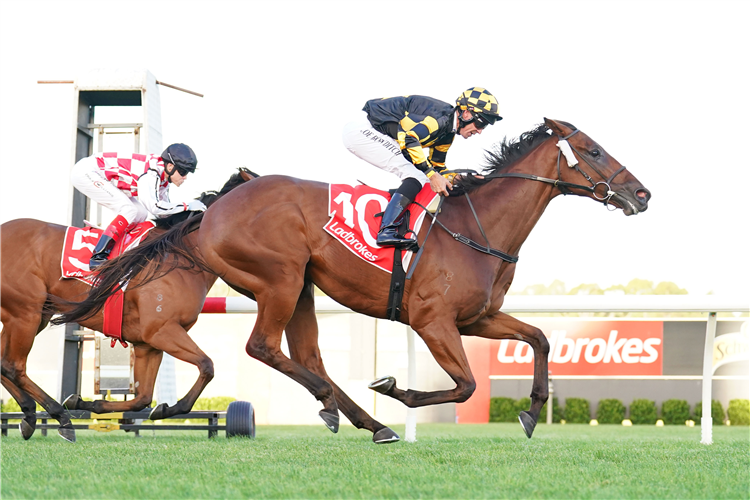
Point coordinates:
[[153, 199], [411, 146], [411, 136]]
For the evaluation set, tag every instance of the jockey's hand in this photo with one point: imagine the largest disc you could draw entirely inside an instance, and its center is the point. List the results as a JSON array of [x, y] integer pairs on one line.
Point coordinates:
[[440, 185], [196, 206]]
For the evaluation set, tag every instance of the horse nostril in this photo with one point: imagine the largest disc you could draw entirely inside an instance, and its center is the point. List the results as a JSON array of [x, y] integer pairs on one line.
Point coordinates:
[[643, 195]]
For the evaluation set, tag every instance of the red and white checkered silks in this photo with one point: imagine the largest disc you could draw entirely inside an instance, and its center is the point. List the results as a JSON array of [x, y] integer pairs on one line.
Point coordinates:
[[123, 170]]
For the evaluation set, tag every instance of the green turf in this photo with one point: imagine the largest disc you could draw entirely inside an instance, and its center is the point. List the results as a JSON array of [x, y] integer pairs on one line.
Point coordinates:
[[447, 461]]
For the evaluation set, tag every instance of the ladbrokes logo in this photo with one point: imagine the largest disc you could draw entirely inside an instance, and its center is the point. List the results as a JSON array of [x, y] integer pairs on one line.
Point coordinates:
[[589, 348]]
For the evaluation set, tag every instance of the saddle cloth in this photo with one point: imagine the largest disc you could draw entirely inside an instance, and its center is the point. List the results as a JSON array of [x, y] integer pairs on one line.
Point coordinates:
[[353, 223], [79, 247], [77, 250]]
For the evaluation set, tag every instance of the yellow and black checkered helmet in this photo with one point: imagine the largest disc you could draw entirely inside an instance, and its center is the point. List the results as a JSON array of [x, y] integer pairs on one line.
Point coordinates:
[[480, 102]]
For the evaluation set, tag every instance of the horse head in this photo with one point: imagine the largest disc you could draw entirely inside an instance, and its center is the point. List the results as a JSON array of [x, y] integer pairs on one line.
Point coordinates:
[[600, 177], [208, 197]]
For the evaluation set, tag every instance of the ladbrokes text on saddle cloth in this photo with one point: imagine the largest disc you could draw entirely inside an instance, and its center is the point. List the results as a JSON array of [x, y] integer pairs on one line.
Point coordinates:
[[354, 225]]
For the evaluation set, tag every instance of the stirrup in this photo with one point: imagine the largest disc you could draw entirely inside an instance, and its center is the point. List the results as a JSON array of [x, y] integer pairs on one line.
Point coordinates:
[[395, 240], [98, 260]]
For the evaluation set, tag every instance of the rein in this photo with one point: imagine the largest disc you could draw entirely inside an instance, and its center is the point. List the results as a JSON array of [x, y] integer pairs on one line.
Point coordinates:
[[564, 149]]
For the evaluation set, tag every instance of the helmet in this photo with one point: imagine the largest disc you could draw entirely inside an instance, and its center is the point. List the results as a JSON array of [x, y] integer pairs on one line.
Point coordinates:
[[481, 104], [181, 156]]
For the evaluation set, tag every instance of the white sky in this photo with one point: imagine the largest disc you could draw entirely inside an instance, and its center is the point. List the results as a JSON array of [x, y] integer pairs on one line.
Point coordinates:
[[662, 86]]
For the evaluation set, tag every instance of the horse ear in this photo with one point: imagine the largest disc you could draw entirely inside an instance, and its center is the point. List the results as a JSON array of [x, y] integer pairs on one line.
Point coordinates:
[[555, 126], [558, 127]]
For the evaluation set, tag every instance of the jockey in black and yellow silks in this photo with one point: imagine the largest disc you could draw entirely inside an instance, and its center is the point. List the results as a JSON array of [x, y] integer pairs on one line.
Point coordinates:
[[395, 133]]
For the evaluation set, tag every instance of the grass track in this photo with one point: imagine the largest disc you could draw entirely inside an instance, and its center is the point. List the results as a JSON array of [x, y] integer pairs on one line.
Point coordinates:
[[447, 461]]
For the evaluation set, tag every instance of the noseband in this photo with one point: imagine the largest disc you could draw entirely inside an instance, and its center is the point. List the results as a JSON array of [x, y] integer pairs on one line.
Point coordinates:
[[565, 149]]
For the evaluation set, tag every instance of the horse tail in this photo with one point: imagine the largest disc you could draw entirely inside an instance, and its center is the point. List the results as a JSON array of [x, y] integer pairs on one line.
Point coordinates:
[[146, 262]]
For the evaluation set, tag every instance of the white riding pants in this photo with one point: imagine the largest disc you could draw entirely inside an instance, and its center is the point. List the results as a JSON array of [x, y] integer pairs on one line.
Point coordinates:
[[379, 150], [88, 178]]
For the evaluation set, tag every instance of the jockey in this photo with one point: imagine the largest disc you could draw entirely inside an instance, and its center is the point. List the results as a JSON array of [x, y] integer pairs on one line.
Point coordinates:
[[133, 185], [394, 134]]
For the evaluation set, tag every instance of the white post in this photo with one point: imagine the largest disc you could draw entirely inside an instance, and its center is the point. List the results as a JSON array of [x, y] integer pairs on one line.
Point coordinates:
[[551, 398], [708, 373], [410, 435]]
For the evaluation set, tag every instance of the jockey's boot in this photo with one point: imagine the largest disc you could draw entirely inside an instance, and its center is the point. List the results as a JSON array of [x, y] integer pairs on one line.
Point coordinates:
[[388, 234], [107, 241]]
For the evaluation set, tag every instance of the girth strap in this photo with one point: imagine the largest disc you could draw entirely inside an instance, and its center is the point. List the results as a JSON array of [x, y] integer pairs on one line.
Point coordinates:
[[396, 293]]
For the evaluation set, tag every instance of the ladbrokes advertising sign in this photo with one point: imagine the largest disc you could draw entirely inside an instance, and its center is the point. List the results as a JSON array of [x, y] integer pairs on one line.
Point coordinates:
[[590, 348]]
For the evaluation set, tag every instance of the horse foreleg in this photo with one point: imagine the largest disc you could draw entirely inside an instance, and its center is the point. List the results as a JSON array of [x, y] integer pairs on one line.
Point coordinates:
[[147, 361], [302, 337], [502, 326], [445, 345], [174, 340]]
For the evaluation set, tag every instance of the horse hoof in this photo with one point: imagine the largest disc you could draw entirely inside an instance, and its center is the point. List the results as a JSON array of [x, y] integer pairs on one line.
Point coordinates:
[[27, 430], [158, 412], [384, 436], [331, 420], [72, 402], [527, 422], [383, 385], [67, 433]]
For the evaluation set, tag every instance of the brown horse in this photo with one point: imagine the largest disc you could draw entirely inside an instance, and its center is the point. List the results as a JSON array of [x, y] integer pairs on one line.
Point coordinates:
[[30, 270], [266, 241]]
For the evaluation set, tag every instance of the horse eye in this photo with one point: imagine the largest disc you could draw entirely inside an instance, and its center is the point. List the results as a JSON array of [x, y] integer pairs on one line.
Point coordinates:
[[595, 153]]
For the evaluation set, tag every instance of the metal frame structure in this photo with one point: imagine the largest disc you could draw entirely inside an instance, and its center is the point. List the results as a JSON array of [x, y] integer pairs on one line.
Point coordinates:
[[103, 88]]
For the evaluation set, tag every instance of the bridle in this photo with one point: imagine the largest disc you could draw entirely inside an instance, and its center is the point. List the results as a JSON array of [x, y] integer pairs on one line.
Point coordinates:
[[564, 149]]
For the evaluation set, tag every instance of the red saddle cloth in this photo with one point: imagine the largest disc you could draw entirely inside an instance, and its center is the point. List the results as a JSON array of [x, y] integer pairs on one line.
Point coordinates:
[[74, 263], [354, 225]]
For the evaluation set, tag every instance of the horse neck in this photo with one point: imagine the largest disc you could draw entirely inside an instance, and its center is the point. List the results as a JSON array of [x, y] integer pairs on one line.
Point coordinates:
[[511, 207]]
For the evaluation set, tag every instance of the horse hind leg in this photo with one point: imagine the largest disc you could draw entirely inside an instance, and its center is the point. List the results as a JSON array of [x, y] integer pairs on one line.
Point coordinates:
[[28, 407], [15, 351], [265, 345], [302, 337]]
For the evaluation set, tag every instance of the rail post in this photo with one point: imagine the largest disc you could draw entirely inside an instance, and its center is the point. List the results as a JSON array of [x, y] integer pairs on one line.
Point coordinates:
[[708, 373]]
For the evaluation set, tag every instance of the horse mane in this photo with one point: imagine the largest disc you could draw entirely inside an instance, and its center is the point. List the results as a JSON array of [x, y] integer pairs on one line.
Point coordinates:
[[151, 260], [501, 157], [207, 197]]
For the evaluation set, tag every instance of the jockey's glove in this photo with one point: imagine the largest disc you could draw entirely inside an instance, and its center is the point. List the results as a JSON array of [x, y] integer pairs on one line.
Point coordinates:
[[196, 206]]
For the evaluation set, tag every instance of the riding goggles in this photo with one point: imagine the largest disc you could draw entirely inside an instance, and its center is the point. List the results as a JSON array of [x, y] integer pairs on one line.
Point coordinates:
[[481, 121]]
